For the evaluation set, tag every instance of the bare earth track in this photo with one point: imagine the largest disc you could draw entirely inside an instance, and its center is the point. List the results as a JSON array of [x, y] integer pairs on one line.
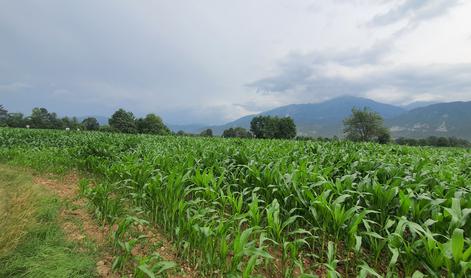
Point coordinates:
[[80, 227]]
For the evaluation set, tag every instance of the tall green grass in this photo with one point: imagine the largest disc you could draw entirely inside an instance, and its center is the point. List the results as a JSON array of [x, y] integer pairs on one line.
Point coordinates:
[[32, 243]]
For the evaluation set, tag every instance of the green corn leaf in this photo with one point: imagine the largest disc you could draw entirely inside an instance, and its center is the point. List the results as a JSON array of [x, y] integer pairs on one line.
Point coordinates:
[[418, 274], [358, 240], [250, 266], [465, 266], [366, 271], [146, 271], [457, 244], [341, 199], [394, 257], [373, 234], [467, 254], [164, 266]]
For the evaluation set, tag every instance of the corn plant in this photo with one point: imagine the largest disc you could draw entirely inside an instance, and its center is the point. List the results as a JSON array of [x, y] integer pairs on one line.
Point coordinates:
[[270, 207]]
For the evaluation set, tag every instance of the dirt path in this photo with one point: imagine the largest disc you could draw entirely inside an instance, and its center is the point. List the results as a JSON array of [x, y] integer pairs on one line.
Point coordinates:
[[76, 222], [80, 227]]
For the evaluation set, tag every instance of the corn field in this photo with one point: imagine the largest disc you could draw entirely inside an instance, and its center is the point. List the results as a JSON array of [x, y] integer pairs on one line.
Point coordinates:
[[270, 208]]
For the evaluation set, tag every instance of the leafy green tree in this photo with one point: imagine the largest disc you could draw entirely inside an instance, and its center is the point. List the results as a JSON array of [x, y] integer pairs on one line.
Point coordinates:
[[90, 123], [366, 125], [238, 132], [71, 123], [152, 124], [16, 120], [207, 133], [123, 121], [262, 127], [40, 118], [384, 136], [273, 127], [285, 128], [55, 122], [3, 116]]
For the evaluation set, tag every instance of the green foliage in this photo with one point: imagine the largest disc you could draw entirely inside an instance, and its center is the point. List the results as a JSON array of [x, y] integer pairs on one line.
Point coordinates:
[[3, 116], [238, 132], [273, 207], [207, 133], [434, 141], [42, 250], [152, 124], [273, 127], [123, 121], [41, 118], [366, 125], [66, 122], [15, 120], [90, 123]]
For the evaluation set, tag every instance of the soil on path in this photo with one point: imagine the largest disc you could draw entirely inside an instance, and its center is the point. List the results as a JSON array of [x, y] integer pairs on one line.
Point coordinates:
[[80, 227]]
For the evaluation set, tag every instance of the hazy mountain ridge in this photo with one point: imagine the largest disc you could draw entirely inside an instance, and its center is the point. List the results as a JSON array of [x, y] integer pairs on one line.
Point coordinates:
[[443, 119], [319, 119], [325, 118]]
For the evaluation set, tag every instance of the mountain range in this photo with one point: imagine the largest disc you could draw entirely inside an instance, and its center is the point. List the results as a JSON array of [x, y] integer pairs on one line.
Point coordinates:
[[325, 119]]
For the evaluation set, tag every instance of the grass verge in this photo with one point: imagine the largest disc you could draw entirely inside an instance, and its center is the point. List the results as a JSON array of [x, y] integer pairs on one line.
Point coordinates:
[[32, 242]]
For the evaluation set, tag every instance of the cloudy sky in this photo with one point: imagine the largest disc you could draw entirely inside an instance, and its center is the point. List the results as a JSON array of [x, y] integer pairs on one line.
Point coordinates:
[[211, 61]]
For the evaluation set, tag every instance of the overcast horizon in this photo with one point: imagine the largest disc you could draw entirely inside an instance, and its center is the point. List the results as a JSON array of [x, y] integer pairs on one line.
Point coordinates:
[[211, 62]]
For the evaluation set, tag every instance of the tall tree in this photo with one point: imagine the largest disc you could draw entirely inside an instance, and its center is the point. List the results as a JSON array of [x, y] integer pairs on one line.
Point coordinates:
[[238, 132], [40, 118], [3, 116], [285, 128], [207, 133], [262, 127], [16, 120], [123, 121], [366, 125], [152, 124], [90, 123], [273, 127], [71, 123], [54, 121]]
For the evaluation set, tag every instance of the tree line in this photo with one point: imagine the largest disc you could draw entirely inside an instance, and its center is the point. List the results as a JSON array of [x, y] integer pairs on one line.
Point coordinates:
[[121, 121], [263, 127], [434, 141], [363, 125], [39, 118]]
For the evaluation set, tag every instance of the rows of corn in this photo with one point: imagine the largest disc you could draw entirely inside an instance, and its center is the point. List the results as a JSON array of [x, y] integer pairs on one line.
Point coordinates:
[[270, 208]]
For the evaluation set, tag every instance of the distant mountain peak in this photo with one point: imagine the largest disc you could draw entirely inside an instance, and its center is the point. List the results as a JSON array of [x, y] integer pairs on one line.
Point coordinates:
[[326, 118]]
